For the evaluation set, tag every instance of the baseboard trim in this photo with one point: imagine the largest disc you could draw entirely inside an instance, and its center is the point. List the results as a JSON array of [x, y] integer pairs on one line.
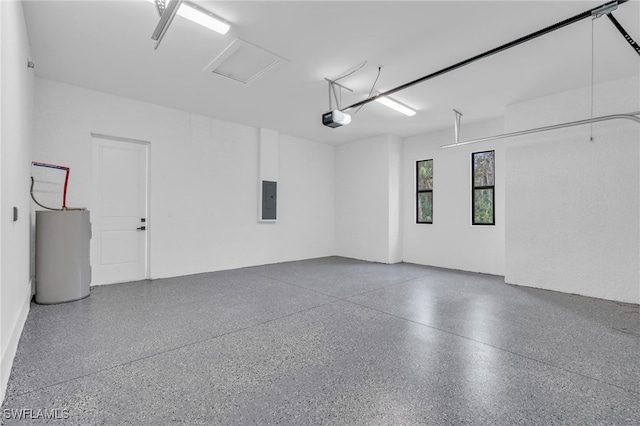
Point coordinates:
[[12, 345]]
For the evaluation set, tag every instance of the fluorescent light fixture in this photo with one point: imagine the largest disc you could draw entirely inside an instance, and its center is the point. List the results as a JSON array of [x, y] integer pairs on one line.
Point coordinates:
[[200, 16], [387, 101]]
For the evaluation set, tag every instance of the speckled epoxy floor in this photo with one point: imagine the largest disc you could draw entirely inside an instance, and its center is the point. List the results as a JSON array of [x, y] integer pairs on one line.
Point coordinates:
[[329, 341]]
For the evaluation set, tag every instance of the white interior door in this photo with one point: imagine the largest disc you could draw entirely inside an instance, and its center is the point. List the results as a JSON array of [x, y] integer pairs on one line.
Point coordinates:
[[119, 211]]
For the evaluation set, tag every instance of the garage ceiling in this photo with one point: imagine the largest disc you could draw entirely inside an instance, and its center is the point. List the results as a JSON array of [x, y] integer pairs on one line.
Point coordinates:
[[106, 46]]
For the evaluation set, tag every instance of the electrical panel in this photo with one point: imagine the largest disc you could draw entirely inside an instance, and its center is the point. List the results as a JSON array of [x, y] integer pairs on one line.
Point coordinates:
[[269, 199]]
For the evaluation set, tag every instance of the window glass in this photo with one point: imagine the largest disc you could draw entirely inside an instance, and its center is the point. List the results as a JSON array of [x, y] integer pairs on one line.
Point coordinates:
[[483, 188], [425, 207], [424, 191], [425, 175]]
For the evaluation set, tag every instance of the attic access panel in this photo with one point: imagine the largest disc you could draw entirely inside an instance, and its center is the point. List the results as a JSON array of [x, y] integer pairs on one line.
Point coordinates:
[[244, 62]]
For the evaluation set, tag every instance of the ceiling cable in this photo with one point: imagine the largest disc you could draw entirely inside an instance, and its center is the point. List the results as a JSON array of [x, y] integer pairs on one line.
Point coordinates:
[[372, 87], [335, 95], [332, 83], [352, 71]]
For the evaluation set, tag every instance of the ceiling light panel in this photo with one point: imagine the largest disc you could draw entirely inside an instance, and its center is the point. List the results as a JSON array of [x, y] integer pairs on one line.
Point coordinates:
[[388, 102], [200, 15]]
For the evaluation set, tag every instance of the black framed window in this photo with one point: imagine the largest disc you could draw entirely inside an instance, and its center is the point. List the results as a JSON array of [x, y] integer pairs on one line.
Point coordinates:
[[483, 167], [424, 191]]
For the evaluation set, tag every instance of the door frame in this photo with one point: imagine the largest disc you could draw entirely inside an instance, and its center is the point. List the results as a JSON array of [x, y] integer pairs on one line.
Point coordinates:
[[147, 145]]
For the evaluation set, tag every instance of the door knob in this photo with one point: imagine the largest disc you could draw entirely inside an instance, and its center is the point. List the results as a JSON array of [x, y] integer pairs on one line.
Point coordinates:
[[142, 228]]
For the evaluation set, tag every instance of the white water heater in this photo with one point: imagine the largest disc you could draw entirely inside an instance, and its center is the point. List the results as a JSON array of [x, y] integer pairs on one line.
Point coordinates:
[[63, 271]]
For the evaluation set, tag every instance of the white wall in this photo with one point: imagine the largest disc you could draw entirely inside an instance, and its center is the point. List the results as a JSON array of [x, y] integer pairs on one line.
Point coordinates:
[[395, 199], [204, 175], [268, 164], [451, 241], [16, 124], [367, 199], [573, 205]]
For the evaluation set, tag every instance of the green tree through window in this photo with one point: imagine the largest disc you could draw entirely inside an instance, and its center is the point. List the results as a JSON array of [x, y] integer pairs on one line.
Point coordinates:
[[483, 188], [424, 191]]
